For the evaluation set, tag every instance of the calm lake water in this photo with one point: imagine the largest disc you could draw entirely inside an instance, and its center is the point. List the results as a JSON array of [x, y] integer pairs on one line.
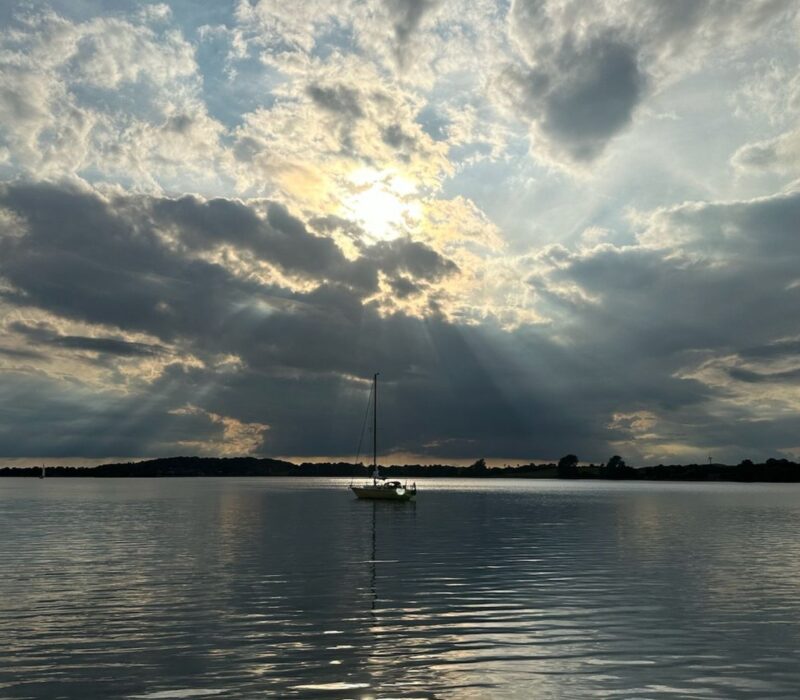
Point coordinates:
[[264, 588]]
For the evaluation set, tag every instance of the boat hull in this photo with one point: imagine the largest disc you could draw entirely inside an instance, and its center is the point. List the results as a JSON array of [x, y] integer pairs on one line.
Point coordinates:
[[380, 493]]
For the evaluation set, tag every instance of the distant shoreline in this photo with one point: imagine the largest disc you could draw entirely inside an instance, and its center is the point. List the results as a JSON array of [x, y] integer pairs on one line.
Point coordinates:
[[773, 470]]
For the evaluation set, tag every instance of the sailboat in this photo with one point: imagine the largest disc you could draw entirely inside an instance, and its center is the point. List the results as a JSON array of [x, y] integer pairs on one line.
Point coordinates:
[[379, 488], [41, 473]]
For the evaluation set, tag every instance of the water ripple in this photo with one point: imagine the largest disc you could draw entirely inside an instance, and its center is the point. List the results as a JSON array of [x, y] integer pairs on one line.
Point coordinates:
[[263, 587]]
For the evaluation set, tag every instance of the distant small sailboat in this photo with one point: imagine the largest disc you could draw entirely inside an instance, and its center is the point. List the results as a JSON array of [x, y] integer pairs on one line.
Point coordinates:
[[42, 473], [380, 489]]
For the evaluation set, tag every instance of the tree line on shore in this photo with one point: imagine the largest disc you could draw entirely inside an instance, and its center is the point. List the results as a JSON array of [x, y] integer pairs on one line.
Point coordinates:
[[568, 467]]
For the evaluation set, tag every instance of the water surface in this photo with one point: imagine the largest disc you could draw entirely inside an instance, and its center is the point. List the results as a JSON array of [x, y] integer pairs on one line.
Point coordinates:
[[244, 588]]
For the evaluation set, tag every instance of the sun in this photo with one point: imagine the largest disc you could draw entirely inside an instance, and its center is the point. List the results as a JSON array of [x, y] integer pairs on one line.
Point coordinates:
[[383, 203]]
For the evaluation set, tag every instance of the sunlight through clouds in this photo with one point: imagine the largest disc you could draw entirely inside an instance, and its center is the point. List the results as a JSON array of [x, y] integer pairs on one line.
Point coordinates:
[[383, 204], [574, 221]]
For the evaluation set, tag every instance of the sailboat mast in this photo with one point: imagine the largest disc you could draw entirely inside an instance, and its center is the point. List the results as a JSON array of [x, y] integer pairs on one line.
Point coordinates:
[[375, 428]]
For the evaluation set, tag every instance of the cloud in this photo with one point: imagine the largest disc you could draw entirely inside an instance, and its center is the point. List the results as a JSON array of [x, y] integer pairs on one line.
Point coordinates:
[[759, 232], [43, 335], [21, 354], [283, 240], [771, 90], [660, 331], [587, 67], [69, 419], [61, 264], [142, 275], [237, 439], [744, 375], [407, 15], [584, 97], [207, 230], [281, 26], [780, 154], [279, 238], [418, 41], [340, 100], [113, 95], [701, 306], [781, 348], [706, 276], [335, 129], [385, 29], [411, 258]]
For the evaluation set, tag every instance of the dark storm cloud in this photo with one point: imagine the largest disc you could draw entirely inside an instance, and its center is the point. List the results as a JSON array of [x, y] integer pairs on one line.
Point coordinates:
[[664, 305], [84, 259], [280, 239], [722, 286], [284, 240], [40, 334], [586, 67], [584, 95], [44, 417], [105, 262], [598, 87], [762, 231], [449, 390], [442, 385], [100, 261], [723, 276], [441, 381], [108, 346]]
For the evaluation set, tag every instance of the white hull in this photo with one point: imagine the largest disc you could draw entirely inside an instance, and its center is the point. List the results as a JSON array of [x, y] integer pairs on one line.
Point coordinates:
[[383, 493]]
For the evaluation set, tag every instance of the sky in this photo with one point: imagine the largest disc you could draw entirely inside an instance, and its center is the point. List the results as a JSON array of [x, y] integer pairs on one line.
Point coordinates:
[[553, 226]]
